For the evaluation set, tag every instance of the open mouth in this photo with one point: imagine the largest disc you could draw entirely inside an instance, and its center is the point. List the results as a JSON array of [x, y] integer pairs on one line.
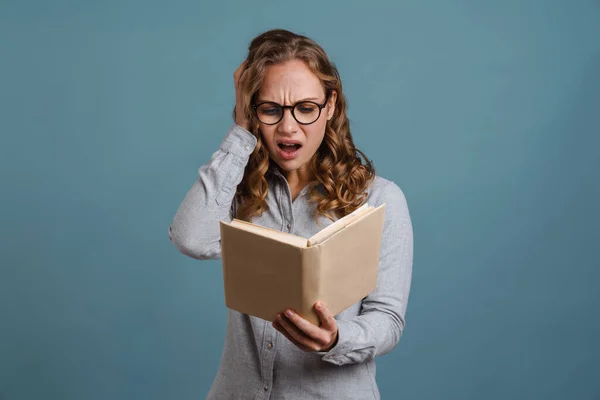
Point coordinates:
[[289, 150], [289, 147]]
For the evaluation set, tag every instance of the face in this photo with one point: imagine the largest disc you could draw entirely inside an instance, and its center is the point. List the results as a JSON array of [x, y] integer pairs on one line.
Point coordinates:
[[288, 84]]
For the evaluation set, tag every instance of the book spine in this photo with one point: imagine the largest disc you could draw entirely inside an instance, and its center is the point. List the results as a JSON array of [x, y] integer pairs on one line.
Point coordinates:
[[311, 275]]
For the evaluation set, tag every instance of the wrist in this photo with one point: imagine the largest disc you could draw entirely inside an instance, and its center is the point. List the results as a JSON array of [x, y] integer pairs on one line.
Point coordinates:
[[333, 342], [240, 122]]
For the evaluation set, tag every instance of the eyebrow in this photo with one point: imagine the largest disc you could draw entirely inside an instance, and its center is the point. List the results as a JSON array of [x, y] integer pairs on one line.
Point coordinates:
[[299, 101]]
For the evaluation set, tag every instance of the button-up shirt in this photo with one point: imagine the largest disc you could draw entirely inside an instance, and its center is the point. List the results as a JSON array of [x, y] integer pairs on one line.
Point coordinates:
[[257, 361]]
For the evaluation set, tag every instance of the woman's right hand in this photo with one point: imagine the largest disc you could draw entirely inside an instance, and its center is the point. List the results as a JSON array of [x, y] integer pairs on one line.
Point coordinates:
[[238, 80]]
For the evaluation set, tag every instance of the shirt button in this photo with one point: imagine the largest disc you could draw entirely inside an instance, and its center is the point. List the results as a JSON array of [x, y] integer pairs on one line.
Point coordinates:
[[289, 226], [270, 345], [266, 388], [247, 148]]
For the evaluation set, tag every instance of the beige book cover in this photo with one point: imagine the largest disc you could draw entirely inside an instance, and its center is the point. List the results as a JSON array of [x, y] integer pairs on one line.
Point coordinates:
[[266, 271]]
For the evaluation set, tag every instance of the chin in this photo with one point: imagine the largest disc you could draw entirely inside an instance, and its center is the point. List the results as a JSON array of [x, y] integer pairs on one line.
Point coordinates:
[[287, 166]]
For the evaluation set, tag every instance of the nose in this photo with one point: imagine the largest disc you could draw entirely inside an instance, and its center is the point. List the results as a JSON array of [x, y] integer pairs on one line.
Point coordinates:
[[288, 123]]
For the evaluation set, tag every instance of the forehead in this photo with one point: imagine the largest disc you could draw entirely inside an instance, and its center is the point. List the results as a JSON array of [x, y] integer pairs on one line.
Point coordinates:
[[290, 81]]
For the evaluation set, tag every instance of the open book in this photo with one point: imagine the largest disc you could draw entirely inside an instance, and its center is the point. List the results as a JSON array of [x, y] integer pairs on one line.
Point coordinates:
[[266, 271]]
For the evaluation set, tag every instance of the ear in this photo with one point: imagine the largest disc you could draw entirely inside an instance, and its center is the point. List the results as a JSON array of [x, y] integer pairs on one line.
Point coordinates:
[[331, 104]]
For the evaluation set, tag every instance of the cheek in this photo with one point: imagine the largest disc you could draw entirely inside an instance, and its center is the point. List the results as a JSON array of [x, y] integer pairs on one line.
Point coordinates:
[[266, 135], [316, 135]]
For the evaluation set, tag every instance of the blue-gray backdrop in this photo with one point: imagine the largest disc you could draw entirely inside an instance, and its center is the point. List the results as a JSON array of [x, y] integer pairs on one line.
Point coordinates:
[[487, 114]]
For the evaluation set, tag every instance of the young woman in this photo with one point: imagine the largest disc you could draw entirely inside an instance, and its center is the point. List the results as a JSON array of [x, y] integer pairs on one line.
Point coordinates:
[[289, 163]]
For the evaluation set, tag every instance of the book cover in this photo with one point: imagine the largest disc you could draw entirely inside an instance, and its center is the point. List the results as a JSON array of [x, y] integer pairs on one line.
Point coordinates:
[[266, 271]]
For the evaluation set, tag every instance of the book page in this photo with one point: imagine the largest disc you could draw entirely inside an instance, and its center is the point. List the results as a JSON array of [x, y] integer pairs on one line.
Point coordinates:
[[274, 234], [327, 232]]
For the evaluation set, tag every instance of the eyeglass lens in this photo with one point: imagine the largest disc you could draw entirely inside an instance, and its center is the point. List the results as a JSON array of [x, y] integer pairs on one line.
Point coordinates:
[[305, 113]]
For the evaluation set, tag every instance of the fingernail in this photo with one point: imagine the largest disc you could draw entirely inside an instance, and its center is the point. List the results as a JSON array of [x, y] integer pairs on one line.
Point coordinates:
[[289, 313], [319, 305]]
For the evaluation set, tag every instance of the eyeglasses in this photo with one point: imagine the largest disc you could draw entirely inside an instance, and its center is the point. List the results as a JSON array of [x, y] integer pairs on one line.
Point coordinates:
[[305, 112]]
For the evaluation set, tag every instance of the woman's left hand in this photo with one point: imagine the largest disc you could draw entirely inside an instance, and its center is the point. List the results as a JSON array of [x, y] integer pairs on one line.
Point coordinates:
[[305, 335]]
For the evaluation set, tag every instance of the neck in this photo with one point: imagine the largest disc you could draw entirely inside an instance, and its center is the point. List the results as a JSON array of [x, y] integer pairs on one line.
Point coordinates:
[[297, 178]]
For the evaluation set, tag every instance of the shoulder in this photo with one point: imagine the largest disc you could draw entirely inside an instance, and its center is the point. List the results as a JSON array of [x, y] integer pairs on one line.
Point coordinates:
[[397, 220], [383, 190]]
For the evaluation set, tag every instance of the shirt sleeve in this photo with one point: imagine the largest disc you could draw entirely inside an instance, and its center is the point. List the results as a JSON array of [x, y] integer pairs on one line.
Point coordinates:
[[195, 230], [378, 328]]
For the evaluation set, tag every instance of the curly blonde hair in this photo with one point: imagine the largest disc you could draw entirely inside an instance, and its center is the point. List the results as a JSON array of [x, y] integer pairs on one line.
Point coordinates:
[[341, 176]]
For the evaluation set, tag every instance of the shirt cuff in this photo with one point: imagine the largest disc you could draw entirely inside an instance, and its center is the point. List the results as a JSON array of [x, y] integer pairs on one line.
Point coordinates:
[[238, 142], [347, 331]]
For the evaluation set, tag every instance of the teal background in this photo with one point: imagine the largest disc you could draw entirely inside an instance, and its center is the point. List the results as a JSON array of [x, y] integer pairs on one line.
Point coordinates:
[[487, 114]]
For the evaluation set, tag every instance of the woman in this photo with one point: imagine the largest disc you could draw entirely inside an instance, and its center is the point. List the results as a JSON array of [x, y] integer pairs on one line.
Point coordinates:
[[289, 163]]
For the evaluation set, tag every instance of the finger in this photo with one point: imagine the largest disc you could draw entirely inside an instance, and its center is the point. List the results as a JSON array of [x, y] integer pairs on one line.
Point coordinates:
[[307, 328], [242, 77], [239, 84], [297, 334], [281, 330], [239, 71], [241, 66], [326, 317]]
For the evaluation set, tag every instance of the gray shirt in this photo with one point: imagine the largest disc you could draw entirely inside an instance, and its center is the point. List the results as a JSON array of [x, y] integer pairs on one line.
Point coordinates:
[[257, 361]]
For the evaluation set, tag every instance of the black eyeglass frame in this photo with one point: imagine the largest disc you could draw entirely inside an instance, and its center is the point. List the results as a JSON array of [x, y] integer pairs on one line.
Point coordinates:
[[320, 106]]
